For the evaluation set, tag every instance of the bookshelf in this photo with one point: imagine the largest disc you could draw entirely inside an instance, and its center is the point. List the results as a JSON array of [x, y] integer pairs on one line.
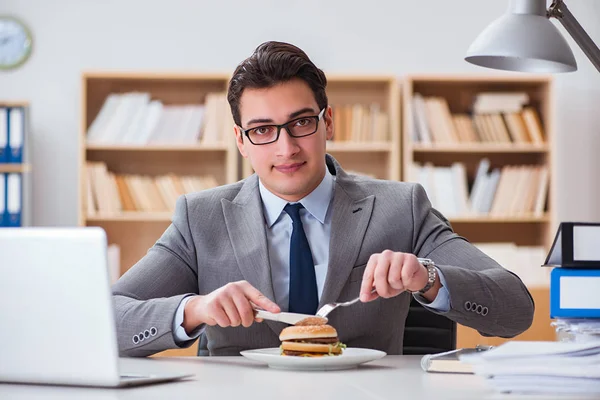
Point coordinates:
[[366, 116], [139, 140], [15, 164], [453, 122]]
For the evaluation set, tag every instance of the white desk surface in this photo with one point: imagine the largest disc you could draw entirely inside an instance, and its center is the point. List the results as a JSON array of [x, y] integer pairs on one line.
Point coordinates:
[[393, 377]]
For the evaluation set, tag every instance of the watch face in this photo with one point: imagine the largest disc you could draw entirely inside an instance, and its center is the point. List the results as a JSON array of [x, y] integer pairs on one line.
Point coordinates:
[[15, 43]]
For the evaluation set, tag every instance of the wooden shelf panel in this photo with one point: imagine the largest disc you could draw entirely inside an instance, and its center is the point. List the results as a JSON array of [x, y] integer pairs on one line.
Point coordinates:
[[131, 216], [15, 103], [480, 148], [521, 233], [371, 90], [154, 147], [359, 146], [486, 219], [18, 168]]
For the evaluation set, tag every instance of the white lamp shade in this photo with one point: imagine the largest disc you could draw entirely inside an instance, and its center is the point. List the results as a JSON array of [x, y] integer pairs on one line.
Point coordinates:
[[522, 42]]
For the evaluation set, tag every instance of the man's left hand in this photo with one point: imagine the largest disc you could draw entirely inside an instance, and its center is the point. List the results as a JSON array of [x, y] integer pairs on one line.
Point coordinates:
[[391, 273]]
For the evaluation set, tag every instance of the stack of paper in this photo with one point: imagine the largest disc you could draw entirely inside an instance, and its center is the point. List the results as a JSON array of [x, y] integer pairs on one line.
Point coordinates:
[[578, 329], [540, 367]]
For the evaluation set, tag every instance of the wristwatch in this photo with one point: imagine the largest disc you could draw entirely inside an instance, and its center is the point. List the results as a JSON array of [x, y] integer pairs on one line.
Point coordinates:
[[431, 274]]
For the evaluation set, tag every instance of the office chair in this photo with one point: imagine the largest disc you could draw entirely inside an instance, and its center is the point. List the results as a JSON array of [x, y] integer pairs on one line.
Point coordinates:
[[426, 332]]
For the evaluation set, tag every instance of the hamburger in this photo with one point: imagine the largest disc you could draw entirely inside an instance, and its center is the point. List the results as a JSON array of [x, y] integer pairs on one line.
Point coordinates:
[[310, 341]]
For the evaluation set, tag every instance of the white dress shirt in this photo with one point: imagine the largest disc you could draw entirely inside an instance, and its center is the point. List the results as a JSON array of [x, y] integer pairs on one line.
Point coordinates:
[[316, 220]]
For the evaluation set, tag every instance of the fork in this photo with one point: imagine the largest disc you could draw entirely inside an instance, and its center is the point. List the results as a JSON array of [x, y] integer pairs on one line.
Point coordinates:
[[327, 308]]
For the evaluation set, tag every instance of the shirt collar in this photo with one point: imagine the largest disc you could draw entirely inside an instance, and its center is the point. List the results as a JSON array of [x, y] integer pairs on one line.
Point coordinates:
[[316, 202]]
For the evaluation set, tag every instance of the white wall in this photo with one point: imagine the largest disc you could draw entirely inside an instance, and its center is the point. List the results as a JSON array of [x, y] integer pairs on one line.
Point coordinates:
[[380, 36]]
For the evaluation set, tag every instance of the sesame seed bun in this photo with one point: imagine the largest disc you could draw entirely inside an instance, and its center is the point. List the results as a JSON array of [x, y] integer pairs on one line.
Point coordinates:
[[307, 332]]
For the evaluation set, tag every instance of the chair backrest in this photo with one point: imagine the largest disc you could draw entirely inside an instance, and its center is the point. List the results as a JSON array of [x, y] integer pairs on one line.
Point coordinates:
[[426, 332]]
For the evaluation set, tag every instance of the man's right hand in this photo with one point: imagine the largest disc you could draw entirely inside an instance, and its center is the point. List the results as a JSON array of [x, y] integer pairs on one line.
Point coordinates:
[[230, 305]]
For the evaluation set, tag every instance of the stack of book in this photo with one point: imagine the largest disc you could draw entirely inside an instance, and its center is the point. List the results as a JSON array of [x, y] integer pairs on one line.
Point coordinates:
[[112, 193], [360, 123], [575, 280], [134, 118], [502, 117], [510, 190]]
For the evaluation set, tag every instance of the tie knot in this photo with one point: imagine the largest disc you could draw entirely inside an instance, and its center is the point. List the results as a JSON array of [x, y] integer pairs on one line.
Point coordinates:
[[293, 210]]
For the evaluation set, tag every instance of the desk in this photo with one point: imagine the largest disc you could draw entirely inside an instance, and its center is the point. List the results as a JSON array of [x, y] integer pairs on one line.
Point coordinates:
[[393, 377]]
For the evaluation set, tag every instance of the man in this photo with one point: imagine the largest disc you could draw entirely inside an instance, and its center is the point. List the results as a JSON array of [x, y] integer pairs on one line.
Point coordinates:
[[300, 233]]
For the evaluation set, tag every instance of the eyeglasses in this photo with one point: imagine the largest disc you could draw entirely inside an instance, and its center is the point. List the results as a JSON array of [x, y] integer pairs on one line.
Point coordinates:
[[299, 127]]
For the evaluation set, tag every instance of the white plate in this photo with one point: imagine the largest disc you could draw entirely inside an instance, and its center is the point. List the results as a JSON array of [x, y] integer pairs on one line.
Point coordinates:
[[350, 358]]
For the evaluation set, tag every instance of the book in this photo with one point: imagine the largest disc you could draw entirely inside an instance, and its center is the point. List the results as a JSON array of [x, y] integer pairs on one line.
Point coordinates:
[[449, 361]]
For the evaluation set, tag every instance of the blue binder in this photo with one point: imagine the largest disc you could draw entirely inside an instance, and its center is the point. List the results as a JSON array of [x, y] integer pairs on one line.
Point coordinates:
[[574, 293], [3, 200], [3, 135], [16, 134]]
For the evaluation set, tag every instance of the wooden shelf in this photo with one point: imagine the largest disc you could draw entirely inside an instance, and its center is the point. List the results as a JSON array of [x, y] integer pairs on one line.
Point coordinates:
[[18, 168], [480, 148], [521, 230], [131, 216], [359, 146], [15, 103], [500, 219], [146, 148]]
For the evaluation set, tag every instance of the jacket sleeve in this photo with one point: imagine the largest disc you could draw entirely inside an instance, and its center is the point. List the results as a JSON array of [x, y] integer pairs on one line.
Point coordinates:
[[483, 295], [147, 296]]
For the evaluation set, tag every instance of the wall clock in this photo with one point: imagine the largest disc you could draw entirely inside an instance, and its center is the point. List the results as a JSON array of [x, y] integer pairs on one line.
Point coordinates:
[[15, 43]]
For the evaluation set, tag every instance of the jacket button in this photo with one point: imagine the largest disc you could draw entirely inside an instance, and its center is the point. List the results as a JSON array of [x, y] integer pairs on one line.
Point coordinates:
[[153, 331], [141, 335], [484, 311], [468, 305], [146, 334], [135, 339], [473, 307], [479, 309]]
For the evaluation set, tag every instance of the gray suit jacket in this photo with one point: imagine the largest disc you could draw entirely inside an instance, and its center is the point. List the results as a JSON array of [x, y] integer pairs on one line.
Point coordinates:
[[218, 236]]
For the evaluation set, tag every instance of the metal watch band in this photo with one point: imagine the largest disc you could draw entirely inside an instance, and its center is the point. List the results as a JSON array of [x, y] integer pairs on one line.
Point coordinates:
[[431, 274]]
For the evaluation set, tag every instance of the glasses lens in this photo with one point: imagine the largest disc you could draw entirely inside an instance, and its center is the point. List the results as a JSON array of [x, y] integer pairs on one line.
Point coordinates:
[[303, 126], [263, 134]]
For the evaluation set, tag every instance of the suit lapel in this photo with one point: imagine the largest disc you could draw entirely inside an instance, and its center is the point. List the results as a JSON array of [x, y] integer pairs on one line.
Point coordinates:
[[245, 224], [348, 226]]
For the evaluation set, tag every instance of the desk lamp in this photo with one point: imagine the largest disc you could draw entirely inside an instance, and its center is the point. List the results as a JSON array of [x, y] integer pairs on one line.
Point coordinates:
[[525, 40]]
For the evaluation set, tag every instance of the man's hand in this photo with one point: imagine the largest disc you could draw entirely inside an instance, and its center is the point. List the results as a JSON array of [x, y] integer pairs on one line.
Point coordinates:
[[230, 305], [392, 273]]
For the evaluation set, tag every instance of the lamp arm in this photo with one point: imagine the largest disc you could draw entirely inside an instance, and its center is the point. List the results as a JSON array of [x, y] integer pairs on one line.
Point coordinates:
[[558, 9]]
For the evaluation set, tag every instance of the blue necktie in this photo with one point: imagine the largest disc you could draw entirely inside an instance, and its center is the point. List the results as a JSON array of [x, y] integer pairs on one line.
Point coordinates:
[[303, 282]]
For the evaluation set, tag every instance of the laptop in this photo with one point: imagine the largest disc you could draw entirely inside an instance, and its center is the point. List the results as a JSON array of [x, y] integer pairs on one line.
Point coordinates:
[[57, 322]]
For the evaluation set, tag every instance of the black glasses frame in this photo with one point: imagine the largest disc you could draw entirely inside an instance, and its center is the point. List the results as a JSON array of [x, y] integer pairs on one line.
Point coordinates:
[[284, 126]]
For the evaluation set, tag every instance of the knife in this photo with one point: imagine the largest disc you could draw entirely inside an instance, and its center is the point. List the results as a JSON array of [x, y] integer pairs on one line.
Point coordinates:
[[286, 317]]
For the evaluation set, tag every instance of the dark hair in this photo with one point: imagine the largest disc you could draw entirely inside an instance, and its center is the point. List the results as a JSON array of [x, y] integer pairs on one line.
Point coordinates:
[[270, 64]]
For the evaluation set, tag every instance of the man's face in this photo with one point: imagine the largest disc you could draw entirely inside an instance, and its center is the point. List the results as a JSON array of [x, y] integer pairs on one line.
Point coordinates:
[[291, 167]]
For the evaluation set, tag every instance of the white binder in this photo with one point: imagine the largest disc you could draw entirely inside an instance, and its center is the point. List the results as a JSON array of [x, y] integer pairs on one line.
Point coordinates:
[[14, 203]]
